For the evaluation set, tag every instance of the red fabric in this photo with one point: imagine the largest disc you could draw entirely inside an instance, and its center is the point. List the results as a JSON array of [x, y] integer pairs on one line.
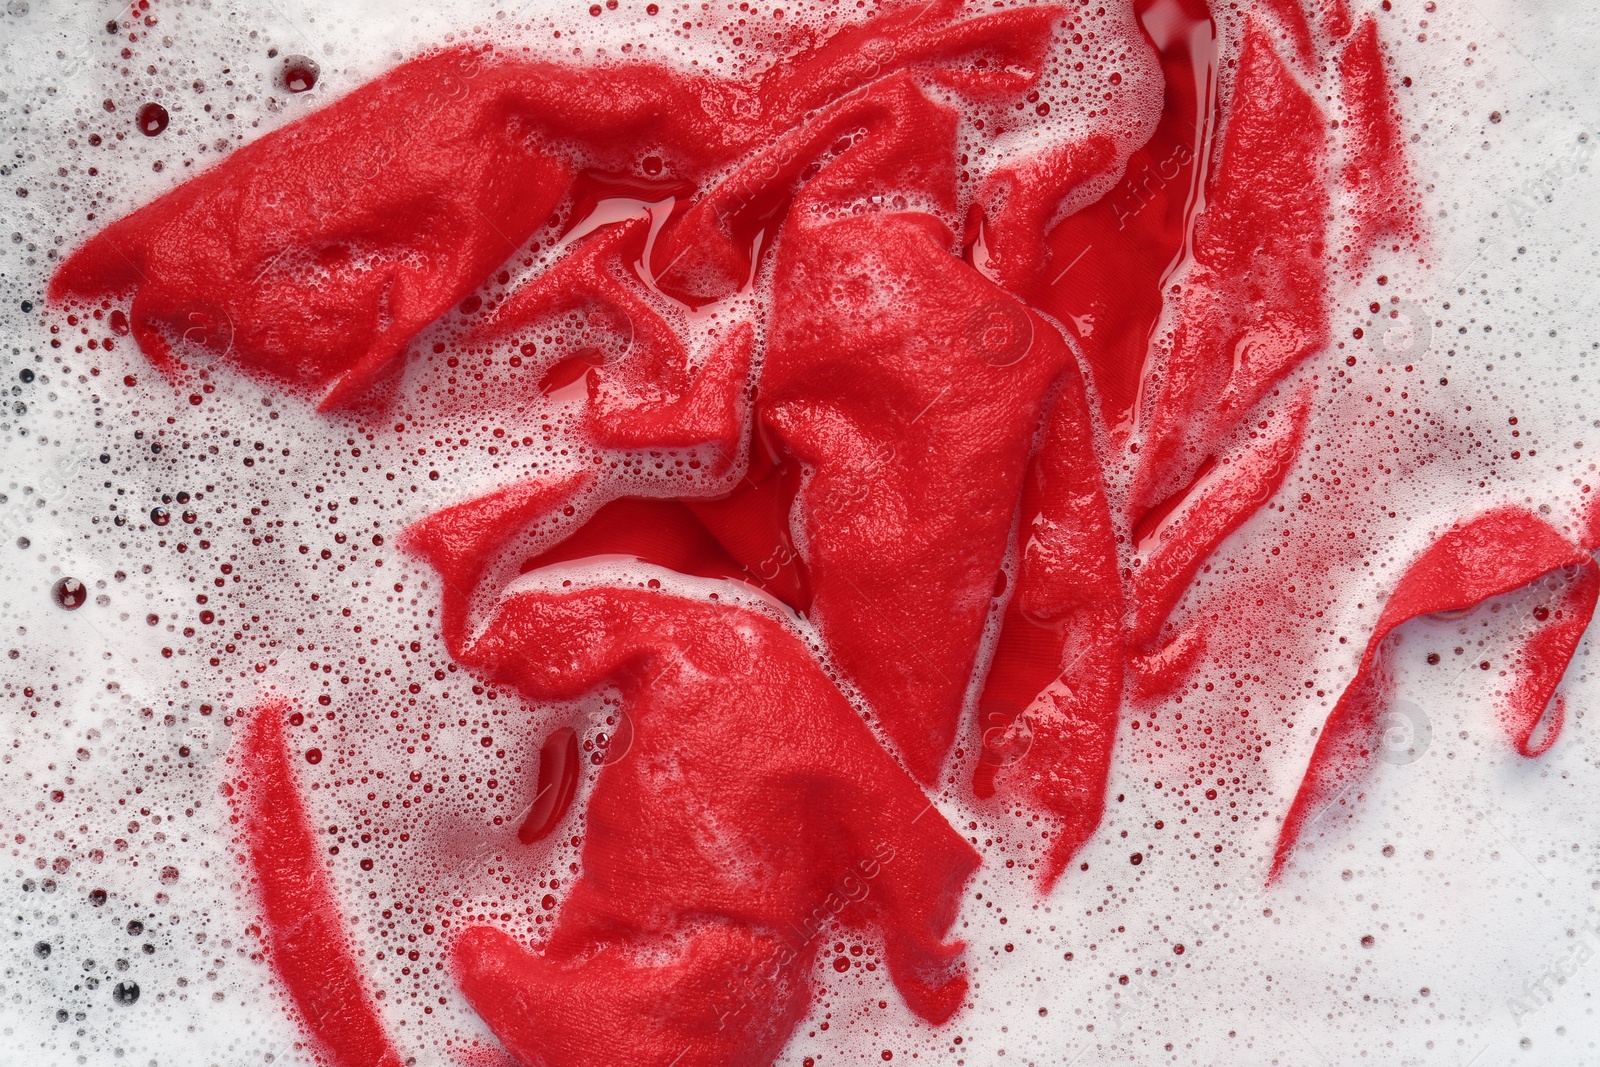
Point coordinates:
[[689, 927], [1107, 266], [915, 426], [752, 525], [649, 398], [1542, 659], [559, 764], [1375, 171], [1495, 553], [1253, 305], [315, 254], [462, 542], [913, 407], [1292, 18], [302, 926], [1048, 713], [1219, 502], [1335, 17]]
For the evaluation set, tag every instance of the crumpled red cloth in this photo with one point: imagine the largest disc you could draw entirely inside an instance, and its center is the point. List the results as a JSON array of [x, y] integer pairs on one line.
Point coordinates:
[[753, 808], [982, 433]]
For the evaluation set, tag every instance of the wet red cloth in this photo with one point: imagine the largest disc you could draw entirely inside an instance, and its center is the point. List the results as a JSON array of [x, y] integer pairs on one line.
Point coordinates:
[[952, 412], [737, 824], [752, 808], [302, 926], [1494, 553]]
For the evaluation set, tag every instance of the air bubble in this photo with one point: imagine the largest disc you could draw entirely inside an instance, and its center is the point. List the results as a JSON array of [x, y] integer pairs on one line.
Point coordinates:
[[299, 73], [69, 593], [152, 119]]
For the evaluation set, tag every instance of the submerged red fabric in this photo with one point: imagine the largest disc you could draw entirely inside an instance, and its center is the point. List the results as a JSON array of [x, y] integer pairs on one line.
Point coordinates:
[[983, 436], [302, 928], [1494, 553], [735, 725]]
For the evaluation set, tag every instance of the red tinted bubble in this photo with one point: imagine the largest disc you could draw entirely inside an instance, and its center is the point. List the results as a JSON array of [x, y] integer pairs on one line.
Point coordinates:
[[70, 593], [153, 118], [300, 73]]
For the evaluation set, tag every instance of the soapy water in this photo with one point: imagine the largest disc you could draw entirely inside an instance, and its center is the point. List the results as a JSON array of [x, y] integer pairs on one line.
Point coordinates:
[[1437, 913]]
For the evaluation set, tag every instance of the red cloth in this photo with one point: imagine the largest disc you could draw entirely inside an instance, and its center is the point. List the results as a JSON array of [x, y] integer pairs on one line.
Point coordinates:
[[954, 412], [301, 924], [1494, 553], [752, 807]]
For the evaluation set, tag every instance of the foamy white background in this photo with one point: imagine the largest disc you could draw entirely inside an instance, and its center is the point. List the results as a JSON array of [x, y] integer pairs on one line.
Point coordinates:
[[1489, 889]]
